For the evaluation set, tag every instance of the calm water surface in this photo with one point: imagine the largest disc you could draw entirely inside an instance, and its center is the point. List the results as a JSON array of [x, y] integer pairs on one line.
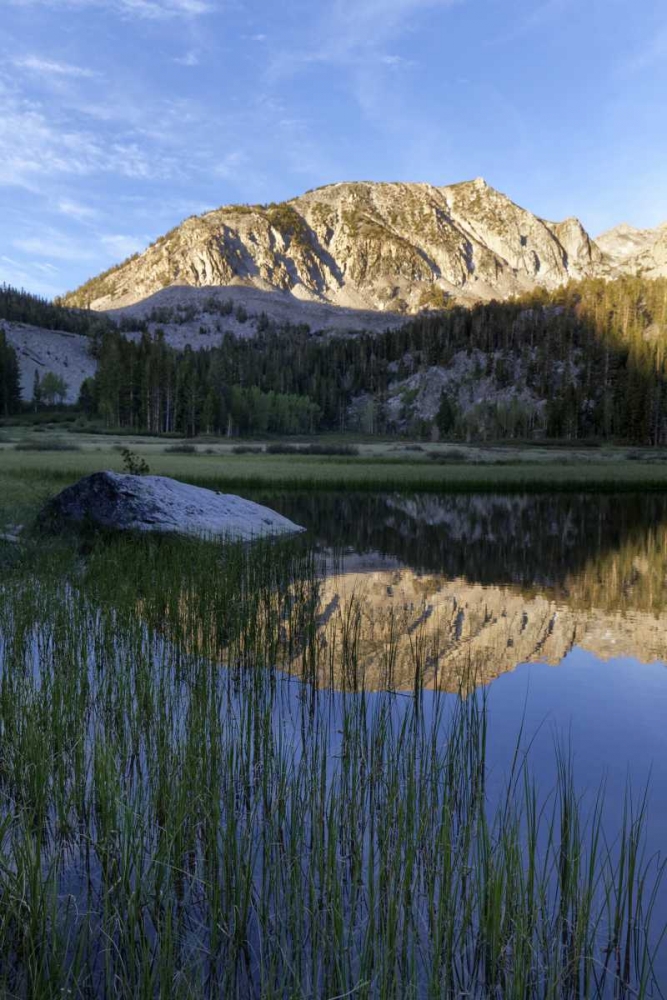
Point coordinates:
[[560, 603], [555, 606]]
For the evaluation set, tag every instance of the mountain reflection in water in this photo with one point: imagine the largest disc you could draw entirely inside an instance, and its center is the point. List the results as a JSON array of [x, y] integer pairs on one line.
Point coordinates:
[[471, 586]]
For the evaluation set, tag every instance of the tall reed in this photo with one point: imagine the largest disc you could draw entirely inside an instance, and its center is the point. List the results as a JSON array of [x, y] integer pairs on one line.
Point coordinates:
[[180, 817]]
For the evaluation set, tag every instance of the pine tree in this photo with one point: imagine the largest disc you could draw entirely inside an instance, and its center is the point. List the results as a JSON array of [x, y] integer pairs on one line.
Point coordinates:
[[36, 391], [10, 383], [446, 418]]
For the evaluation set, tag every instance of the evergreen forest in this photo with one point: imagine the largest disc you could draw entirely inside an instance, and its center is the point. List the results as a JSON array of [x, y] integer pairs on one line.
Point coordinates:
[[584, 362], [590, 357]]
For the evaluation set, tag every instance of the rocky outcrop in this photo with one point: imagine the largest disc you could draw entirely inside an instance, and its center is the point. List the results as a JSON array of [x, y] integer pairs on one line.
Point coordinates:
[[381, 246], [629, 250], [41, 351], [157, 503]]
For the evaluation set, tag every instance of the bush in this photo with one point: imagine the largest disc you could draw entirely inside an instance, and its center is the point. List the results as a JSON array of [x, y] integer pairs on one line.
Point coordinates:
[[450, 455], [134, 464], [312, 449], [331, 449], [46, 445], [181, 449], [282, 449]]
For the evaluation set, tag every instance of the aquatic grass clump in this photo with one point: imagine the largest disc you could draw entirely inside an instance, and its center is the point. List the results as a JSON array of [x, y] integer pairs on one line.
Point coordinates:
[[47, 444], [181, 818]]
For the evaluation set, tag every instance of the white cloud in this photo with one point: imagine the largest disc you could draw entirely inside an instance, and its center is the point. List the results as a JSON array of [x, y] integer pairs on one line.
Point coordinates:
[[189, 59], [121, 246], [47, 67], [75, 210], [230, 165], [55, 245], [360, 24], [35, 144], [153, 9], [28, 276], [654, 51], [349, 32], [162, 8], [396, 62], [538, 17]]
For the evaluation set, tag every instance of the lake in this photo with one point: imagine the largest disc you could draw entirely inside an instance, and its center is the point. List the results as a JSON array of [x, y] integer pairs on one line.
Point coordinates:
[[559, 603], [403, 755]]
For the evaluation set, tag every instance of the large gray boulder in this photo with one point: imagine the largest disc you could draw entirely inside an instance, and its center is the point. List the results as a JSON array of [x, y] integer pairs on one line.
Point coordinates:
[[157, 503]]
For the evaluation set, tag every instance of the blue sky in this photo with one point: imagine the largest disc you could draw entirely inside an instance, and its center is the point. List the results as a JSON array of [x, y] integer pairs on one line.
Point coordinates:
[[119, 118]]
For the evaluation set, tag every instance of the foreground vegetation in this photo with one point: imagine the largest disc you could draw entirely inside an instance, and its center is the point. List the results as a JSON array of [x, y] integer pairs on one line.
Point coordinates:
[[180, 819]]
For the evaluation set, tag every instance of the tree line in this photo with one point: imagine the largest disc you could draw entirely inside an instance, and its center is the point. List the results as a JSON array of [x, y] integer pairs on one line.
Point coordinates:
[[146, 385], [593, 352], [19, 306], [10, 385], [589, 358]]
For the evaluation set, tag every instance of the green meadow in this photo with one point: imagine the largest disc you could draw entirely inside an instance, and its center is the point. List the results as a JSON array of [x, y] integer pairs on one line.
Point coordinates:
[[34, 465]]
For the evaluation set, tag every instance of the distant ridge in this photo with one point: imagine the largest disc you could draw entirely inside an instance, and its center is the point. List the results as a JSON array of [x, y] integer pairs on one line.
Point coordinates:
[[636, 251]]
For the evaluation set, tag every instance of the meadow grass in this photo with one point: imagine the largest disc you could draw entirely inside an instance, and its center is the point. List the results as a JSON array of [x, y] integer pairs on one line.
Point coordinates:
[[181, 818], [26, 473]]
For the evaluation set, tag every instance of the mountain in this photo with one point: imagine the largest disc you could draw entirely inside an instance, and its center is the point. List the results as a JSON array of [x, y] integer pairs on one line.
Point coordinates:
[[383, 246], [636, 251]]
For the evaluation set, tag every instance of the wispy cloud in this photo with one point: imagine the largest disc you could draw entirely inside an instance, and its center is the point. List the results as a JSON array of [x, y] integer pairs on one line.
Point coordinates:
[[355, 35], [75, 210], [48, 67], [352, 25], [154, 9], [120, 245], [55, 245], [537, 17], [189, 59], [231, 164], [29, 275], [164, 8], [396, 62], [35, 144], [652, 52]]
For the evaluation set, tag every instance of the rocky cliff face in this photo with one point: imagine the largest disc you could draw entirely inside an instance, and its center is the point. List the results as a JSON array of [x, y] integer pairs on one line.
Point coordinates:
[[41, 351], [397, 247], [636, 251]]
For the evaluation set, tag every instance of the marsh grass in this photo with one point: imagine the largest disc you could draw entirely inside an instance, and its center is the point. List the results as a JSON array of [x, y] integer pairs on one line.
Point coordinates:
[[318, 448], [181, 818], [181, 448], [47, 444]]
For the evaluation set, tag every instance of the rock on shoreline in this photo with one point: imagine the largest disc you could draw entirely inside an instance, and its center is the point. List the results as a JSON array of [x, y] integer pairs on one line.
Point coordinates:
[[158, 503]]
